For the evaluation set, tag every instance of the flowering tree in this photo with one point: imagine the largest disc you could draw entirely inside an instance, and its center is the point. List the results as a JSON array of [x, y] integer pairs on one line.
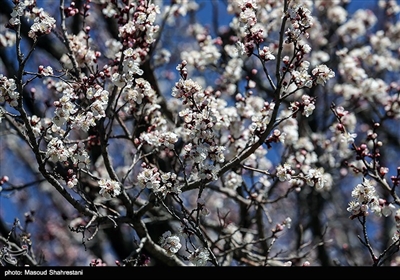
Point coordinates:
[[139, 133]]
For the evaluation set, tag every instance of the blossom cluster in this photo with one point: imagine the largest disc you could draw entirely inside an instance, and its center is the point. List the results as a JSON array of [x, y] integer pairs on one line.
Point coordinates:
[[82, 51], [109, 188], [199, 257], [8, 91], [16, 14], [170, 243], [79, 117], [141, 25], [315, 177], [366, 199], [199, 118], [208, 54], [396, 236], [43, 23], [7, 38], [161, 183]]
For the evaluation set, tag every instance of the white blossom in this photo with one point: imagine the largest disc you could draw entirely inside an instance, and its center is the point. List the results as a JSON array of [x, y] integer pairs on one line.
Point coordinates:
[[109, 188], [170, 243], [322, 73], [199, 257]]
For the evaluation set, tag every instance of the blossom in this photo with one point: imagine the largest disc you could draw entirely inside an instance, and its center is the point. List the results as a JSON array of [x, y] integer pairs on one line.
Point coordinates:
[[306, 48], [199, 257], [387, 209], [266, 54], [79, 155], [43, 24], [185, 88], [8, 91], [73, 181], [109, 188], [358, 25], [348, 137], [301, 20], [233, 180], [337, 14], [365, 198], [56, 151], [168, 184], [289, 128], [302, 78], [322, 74], [208, 54], [17, 12], [284, 173], [7, 39], [317, 178], [99, 98], [247, 14], [149, 178], [364, 192], [374, 89], [208, 172], [131, 67], [81, 47], [45, 71], [83, 121], [136, 91], [354, 208], [308, 109], [118, 79], [287, 222], [170, 243]]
